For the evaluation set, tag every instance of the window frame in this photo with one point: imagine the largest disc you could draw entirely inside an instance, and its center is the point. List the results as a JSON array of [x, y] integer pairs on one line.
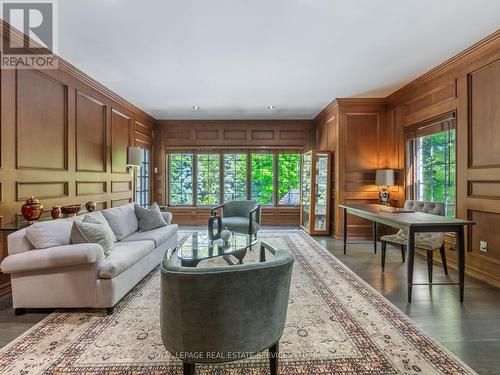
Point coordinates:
[[222, 152], [169, 180], [141, 176], [278, 181], [445, 122]]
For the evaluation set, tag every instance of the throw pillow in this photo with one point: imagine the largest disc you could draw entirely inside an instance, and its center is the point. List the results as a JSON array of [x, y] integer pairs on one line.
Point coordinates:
[[83, 232], [47, 234], [98, 218], [149, 218]]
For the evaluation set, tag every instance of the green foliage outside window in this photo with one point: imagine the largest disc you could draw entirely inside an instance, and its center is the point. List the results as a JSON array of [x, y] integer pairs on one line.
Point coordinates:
[[208, 179], [235, 177], [181, 179], [289, 179], [262, 178], [435, 169]]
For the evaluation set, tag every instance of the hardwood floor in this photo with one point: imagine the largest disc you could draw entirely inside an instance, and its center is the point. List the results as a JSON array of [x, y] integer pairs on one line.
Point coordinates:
[[470, 330]]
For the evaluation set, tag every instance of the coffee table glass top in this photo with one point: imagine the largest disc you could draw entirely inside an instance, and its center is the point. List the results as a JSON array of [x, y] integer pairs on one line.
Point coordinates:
[[199, 247]]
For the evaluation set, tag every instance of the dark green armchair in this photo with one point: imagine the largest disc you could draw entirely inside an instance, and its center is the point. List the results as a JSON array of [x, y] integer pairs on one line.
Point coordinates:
[[234, 311], [240, 216]]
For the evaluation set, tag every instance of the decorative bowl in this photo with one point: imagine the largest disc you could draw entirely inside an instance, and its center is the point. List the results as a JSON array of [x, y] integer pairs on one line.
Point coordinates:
[[71, 209]]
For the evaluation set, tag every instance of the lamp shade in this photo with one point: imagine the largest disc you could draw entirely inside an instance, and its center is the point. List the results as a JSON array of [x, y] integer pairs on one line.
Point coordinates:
[[134, 156], [384, 177]]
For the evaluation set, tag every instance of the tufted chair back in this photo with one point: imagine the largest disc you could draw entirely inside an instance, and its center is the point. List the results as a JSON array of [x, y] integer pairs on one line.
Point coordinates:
[[434, 208]]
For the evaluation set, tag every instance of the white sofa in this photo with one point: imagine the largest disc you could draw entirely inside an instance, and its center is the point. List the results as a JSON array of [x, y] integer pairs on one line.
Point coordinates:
[[78, 275]]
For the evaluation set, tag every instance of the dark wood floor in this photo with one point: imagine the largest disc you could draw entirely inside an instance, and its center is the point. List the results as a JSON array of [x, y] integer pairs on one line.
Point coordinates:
[[470, 330]]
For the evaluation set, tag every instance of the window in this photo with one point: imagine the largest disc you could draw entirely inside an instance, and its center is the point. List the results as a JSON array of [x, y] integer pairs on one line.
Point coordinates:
[[142, 184], [434, 169], [269, 178], [262, 178], [208, 174], [235, 177], [181, 179], [289, 179]]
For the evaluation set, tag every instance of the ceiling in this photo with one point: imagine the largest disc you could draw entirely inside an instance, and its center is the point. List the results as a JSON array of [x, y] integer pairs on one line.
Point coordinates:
[[234, 58]]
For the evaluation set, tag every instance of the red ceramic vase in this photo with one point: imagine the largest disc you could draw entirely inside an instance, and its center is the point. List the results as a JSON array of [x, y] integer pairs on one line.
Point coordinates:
[[55, 212], [32, 210]]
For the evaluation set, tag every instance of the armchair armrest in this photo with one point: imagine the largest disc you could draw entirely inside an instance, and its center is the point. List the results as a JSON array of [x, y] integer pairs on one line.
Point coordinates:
[[255, 210], [53, 257], [263, 247], [167, 216], [214, 209]]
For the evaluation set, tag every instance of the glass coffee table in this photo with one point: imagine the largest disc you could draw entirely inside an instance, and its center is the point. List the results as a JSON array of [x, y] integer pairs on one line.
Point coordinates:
[[199, 247]]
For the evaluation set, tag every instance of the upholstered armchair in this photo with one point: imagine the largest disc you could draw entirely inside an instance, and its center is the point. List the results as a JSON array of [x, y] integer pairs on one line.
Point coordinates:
[[426, 241], [240, 216], [233, 311]]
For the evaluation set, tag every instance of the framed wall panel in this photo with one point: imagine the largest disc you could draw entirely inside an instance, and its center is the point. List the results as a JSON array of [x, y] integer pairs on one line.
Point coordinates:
[[41, 122], [120, 140], [90, 142]]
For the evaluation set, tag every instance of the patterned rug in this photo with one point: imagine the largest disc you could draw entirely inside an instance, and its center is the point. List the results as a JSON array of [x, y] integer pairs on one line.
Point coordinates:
[[336, 324]]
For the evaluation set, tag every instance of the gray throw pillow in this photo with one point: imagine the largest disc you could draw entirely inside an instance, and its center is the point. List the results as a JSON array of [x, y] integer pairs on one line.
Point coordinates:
[[149, 218], [83, 232]]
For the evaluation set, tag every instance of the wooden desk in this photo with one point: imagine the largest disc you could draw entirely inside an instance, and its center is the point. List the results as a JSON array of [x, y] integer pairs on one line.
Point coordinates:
[[412, 223]]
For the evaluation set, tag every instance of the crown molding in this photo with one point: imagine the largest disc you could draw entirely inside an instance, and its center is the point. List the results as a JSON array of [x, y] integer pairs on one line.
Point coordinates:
[[449, 64], [68, 68]]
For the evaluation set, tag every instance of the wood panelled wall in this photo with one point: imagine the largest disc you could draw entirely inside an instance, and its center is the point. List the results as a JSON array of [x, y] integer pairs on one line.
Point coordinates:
[[227, 135], [357, 133], [366, 134], [64, 139], [468, 85]]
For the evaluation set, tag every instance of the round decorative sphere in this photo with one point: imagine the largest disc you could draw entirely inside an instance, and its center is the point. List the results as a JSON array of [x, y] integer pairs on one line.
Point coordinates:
[[225, 234]]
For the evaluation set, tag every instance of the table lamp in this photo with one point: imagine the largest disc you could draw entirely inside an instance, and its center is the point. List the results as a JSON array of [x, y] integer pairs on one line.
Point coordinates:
[[384, 178]]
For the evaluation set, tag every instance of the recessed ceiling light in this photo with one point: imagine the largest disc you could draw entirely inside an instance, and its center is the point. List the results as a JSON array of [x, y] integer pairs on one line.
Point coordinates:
[[196, 107], [270, 107]]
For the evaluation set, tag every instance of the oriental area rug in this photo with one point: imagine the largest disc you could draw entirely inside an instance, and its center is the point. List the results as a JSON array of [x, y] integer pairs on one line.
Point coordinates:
[[337, 324]]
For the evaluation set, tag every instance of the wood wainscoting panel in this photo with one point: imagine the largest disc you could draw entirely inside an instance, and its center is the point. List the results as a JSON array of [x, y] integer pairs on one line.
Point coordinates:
[[362, 142], [90, 187], [120, 202], [486, 229], [484, 189], [484, 114], [41, 190], [90, 122], [121, 186], [41, 122], [120, 140], [235, 134]]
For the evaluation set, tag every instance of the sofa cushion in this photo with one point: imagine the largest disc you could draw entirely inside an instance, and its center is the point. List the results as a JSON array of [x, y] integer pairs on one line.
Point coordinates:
[[123, 256], [83, 232], [47, 234], [149, 218], [239, 224], [158, 235], [98, 217], [122, 220]]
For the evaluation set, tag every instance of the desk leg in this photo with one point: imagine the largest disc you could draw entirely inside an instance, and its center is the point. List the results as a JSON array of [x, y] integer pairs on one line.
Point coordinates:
[[375, 237], [345, 230], [461, 260], [410, 261]]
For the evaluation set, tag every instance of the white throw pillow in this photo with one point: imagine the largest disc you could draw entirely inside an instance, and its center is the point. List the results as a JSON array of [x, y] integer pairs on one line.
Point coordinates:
[[122, 220], [45, 234], [99, 217]]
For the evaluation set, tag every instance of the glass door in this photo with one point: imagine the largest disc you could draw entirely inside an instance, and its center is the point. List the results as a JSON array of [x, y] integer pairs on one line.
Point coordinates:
[[321, 192], [306, 189]]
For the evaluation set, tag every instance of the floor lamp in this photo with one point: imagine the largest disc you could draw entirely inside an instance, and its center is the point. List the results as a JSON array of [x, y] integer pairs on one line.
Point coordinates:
[[134, 160]]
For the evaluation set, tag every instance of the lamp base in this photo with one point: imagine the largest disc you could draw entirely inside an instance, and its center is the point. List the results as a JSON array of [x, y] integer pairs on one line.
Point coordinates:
[[384, 195]]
